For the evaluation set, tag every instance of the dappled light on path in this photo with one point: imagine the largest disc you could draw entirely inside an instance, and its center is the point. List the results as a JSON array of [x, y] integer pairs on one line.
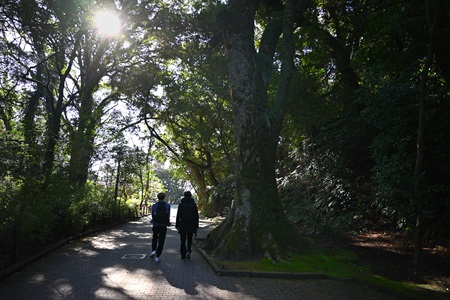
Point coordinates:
[[93, 268]]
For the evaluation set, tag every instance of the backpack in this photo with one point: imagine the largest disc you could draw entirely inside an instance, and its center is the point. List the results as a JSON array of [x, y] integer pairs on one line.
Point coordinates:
[[189, 213], [161, 216]]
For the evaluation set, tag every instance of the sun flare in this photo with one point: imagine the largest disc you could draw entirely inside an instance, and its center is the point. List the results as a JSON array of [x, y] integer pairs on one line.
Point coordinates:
[[107, 23]]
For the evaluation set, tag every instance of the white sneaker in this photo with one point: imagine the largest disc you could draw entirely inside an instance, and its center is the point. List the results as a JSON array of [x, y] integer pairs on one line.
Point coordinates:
[[153, 254], [157, 259]]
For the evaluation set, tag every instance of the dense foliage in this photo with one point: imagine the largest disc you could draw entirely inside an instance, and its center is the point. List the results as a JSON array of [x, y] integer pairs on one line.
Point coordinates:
[[357, 145]]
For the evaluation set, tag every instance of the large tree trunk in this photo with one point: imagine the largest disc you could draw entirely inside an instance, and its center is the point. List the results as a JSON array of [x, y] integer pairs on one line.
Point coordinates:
[[53, 132], [82, 142], [257, 225], [90, 112], [55, 110]]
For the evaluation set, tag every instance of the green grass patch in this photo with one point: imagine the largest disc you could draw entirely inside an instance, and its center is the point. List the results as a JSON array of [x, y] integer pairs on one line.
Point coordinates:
[[406, 290], [334, 262]]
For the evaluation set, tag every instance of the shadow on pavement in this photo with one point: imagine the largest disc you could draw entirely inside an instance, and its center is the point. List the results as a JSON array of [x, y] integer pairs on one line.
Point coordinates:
[[93, 268]]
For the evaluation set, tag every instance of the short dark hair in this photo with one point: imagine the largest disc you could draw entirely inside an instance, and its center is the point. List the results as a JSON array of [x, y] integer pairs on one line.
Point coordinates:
[[187, 194], [161, 196]]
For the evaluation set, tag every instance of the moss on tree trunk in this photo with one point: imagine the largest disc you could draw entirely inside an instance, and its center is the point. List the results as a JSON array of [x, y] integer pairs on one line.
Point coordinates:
[[257, 225]]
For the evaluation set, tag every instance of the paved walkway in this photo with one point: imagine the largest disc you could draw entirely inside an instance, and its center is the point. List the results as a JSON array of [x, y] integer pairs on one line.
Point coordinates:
[[93, 268]]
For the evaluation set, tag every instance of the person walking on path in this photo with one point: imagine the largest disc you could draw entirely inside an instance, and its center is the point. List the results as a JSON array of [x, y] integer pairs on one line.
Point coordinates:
[[160, 221], [187, 223]]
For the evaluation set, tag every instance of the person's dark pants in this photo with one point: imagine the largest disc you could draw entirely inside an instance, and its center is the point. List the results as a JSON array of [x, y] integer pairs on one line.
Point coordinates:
[[159, 236], [183, 248]]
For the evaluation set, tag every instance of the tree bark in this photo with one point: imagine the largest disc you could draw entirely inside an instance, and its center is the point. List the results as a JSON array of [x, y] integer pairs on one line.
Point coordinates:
[[116, 210], [90, 112], [257, 225], [82, 143], [431, 18]]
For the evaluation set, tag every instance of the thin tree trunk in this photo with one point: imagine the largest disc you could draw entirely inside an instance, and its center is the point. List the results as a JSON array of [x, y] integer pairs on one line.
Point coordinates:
[[431, 17], [116, 191]]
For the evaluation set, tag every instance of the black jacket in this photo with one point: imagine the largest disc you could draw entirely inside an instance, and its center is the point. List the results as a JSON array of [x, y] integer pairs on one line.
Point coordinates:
[[187, 226]]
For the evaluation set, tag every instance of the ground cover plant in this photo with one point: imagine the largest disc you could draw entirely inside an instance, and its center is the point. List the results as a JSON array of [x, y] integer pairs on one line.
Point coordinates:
[[377, 262]]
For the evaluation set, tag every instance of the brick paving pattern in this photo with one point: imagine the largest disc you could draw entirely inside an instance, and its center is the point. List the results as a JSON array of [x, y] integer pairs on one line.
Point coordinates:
[[93, 268]]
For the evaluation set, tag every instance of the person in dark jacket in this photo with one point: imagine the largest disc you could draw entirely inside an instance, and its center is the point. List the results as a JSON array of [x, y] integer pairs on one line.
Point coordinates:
[[187, 223], [159, 228]]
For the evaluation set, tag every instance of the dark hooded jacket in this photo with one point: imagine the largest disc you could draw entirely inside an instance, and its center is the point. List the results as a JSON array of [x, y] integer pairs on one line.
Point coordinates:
[[187, 216]]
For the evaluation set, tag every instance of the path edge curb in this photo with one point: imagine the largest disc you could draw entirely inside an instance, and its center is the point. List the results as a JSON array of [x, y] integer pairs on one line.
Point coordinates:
[[260, 274]]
